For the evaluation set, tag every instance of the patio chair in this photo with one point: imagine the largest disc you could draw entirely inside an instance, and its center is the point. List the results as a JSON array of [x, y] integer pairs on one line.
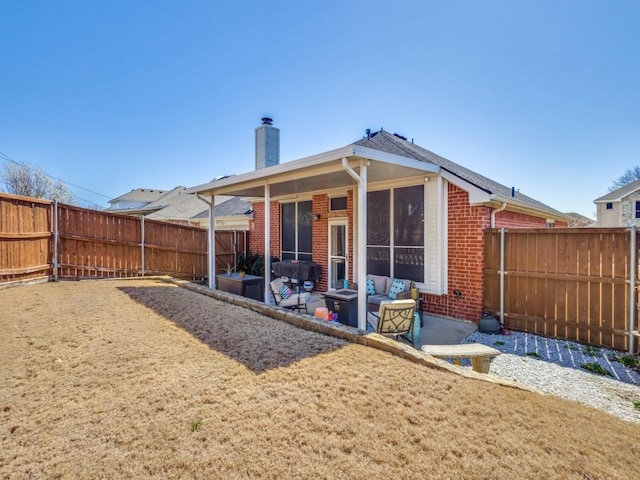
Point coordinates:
[[395, 318], [295, 301]]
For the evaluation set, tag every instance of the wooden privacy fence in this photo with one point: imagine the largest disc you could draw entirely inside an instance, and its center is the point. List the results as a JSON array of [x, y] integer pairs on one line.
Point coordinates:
[[39, 238], [574, 284]]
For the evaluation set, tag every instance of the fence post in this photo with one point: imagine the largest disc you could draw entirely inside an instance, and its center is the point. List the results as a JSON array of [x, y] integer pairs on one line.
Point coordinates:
[[56, 234], [502, 276], [632, 290], [142, 242]]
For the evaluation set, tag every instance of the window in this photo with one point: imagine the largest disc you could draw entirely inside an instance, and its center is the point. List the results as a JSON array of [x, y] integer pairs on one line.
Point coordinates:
[[338, 203], [396, 243], [637, 209], [609, 206], [296, 231]]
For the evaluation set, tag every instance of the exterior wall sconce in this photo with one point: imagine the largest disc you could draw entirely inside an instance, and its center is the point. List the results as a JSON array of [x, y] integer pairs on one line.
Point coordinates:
[[316, 217]]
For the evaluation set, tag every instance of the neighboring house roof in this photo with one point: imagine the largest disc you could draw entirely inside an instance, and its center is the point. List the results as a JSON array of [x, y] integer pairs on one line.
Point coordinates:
[[171, 205], [618, 194], [178, 206], [229, 208], [580, 220], [391, 143], [140, 195]]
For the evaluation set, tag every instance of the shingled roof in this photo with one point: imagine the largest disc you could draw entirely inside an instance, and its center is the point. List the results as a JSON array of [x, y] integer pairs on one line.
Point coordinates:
[[392, 143], [620, 193]]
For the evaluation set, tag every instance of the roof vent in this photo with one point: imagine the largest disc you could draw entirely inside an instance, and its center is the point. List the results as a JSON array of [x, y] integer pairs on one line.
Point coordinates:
[[399, 136], [267, 121]]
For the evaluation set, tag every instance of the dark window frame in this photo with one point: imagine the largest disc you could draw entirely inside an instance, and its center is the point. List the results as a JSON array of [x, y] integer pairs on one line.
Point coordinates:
[[296, 230], [397, 246]]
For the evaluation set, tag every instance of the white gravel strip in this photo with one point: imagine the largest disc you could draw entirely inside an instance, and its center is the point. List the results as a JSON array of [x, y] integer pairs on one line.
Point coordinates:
[[554, 367], [607, 394]]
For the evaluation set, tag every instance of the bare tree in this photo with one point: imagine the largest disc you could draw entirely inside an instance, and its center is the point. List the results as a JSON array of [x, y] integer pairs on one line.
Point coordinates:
[[629, 176], [29, 181]]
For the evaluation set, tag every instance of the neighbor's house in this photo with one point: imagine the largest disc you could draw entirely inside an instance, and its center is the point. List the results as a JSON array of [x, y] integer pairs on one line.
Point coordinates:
[[177, 206], [381, 205], [619, 208], [580, 221]]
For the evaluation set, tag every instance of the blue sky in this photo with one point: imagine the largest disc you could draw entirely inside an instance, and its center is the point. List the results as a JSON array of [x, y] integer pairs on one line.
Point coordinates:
[[112, 96]]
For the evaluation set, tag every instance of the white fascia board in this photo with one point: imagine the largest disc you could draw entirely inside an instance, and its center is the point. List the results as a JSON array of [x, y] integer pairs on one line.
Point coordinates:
[[283, 168], [610, 200], [377, 155], [476, 195]]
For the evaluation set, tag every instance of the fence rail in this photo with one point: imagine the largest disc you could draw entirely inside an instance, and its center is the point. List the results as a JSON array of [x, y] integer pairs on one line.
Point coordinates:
[[574, 284], [42, 239]]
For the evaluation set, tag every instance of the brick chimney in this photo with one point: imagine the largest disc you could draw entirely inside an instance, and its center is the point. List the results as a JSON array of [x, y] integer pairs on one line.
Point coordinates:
[[267, 144]]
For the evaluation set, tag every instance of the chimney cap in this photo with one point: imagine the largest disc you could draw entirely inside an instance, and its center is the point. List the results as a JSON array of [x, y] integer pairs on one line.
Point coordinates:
[[267, 121]]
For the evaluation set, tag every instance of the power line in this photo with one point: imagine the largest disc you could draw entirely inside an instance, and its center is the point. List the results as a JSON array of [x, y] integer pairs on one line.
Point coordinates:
[[9, 159]]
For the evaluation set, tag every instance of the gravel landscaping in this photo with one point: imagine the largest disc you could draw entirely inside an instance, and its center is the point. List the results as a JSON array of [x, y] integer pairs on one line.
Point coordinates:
[[566, 369]]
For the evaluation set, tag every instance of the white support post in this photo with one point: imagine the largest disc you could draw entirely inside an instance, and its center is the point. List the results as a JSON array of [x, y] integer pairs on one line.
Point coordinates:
[[362, 247], [267, 242], [361, 180], [212, 246]]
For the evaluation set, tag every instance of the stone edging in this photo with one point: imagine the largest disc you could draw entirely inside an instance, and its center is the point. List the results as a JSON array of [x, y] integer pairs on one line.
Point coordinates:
[[344, 332]]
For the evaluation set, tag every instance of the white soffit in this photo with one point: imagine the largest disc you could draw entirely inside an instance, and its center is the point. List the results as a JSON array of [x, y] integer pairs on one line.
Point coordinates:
[[318, 173]]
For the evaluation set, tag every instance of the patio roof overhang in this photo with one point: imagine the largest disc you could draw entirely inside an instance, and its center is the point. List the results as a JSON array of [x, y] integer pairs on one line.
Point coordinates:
[[353, 166], [318, 173]]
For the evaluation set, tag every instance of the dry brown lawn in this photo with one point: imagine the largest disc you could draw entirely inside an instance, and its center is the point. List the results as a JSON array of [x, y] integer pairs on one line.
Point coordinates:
[[138, 379]]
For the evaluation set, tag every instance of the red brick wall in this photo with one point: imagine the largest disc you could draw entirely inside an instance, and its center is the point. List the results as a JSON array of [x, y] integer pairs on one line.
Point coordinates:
[[507, 219], [465, 249], [320, 246], [466, 254], [256, 239]]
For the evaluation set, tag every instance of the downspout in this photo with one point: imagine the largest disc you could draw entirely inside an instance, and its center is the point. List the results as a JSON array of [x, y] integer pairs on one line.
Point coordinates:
[[492, 223], [502, 277], [633, 295], [361, 180]]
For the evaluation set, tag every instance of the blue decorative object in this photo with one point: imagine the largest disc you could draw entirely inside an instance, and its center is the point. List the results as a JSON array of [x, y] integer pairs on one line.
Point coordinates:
[[371, 288], [285, 292], [396, 287]]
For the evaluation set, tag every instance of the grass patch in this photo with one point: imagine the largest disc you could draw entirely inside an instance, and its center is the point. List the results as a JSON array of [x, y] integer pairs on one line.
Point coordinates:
[[498, 343], [596, 368], [630, 361], [532, 354], [591, 351], [196, 425], [636, 404]]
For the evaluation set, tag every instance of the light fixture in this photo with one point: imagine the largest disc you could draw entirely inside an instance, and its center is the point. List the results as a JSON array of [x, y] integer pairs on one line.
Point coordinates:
[[426, 179], [316, 217]]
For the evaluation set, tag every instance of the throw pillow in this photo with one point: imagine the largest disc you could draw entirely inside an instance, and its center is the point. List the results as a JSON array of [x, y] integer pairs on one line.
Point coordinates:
[[396, 287], [285, 292], [371, 287]]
